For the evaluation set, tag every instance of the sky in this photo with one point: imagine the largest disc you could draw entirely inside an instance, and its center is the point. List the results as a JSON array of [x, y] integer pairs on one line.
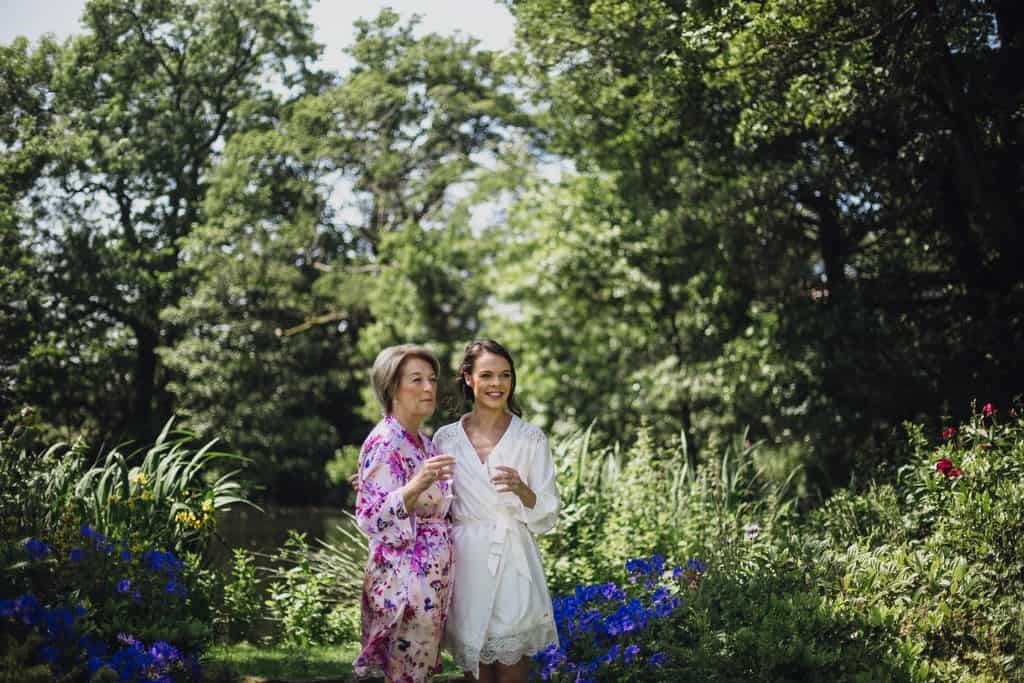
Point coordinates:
[[486, 20]]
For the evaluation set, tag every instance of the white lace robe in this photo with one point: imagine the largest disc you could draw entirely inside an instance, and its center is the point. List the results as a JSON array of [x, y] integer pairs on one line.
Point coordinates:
[[501, 608]]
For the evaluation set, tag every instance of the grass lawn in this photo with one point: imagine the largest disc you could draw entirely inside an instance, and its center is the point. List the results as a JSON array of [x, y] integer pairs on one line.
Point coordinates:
[[244, 661]]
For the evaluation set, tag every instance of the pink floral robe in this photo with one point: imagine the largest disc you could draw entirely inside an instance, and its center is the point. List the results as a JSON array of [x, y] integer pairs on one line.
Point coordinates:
[[406, 589]]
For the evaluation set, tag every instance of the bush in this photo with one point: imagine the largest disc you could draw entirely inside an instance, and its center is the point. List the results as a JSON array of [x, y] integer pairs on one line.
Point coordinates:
[[55, 637], [608, 632], [654, 499], [144, 583], [312, 590], [912, 579], [945, 562]]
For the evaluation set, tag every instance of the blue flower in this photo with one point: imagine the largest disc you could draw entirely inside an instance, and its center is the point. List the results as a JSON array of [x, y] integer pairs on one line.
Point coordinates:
[[696, 565], [76, 555], [36, 549], [94, 664], [638, 567], [657, 659], [126, 556], [630, 652], [86, 532], [609, 657], [123, 585]]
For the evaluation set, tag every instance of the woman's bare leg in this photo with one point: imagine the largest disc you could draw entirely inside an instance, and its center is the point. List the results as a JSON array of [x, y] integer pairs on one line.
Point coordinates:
[[517, 673], [486, 674]]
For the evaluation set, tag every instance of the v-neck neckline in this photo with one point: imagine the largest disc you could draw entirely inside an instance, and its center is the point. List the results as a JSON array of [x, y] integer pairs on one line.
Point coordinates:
[[416, 439], [497, 444]]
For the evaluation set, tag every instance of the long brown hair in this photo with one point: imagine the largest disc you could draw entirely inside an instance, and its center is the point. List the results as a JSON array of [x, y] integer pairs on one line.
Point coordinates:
[[473, 351]]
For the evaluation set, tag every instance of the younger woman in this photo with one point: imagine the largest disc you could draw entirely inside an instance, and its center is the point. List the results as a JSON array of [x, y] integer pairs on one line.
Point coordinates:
[[504, 487]]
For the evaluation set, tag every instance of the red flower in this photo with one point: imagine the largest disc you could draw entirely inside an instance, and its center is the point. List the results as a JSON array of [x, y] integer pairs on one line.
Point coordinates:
[[944, 466], [985, 446], [953, 473], [987, 409], [948, 433]]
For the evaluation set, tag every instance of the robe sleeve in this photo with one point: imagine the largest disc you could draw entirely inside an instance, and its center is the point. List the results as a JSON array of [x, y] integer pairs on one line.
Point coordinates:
[[441, 439], [380, 505], [543, 516]]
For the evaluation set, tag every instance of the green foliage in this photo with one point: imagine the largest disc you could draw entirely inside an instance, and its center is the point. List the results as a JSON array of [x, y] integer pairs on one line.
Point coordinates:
[[342, 227], [106, 529], [165, 499], [935, 558], [114, 135], [912, 580], [306, 594], [17, 661], [654, 498], [237, 615], [765, 623], [797, 217], [164, 495], [299, 599], [343, 465]]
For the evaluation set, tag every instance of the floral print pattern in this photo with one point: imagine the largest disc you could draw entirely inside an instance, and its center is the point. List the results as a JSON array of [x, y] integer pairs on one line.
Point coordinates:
[[406, 591]]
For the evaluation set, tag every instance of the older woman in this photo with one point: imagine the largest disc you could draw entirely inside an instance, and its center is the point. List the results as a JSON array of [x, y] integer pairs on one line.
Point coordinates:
[[505, 493], [403, 501]]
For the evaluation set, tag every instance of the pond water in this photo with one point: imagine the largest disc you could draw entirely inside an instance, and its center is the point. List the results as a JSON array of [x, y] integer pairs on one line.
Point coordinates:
[[265, 532]]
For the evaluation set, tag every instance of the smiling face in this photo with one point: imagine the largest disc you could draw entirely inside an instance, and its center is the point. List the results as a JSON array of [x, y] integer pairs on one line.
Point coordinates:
[[490, 381], [416, 393]]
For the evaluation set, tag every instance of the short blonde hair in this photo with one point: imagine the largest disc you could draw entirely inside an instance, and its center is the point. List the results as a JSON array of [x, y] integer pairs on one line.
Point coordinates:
[[387, 370]]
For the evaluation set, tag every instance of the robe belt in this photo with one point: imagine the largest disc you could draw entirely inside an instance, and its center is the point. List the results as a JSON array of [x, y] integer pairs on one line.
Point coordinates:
[[513, 549]]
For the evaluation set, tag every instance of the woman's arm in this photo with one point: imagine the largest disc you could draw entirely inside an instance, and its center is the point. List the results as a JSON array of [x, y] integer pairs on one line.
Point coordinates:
[[439, 468], [381, 511], [537, 491]]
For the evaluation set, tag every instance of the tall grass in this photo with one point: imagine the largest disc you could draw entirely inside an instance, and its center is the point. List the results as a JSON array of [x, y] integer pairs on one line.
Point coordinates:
[[171, 493]]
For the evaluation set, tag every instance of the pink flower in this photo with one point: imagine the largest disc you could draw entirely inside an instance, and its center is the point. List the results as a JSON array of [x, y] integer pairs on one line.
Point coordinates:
[[948, 433], [943, 466], [987, 409]]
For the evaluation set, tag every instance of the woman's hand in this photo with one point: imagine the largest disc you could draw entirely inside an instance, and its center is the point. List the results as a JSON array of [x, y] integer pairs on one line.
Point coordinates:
[[439, 468], [507, 480]]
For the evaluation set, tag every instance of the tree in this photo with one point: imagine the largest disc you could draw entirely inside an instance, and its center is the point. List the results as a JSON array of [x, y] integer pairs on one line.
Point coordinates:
[[841, 158], [138, 108], [342, 226]]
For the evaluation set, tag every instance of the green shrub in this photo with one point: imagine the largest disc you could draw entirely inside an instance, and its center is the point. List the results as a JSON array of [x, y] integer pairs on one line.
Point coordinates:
[[918, 578], [308, 592], [129, 581], [651, 499], [239, 610], [18, 661], [937, 555]]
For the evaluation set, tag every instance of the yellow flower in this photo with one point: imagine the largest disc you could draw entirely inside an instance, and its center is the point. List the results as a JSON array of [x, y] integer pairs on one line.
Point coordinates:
[[207, 506]]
